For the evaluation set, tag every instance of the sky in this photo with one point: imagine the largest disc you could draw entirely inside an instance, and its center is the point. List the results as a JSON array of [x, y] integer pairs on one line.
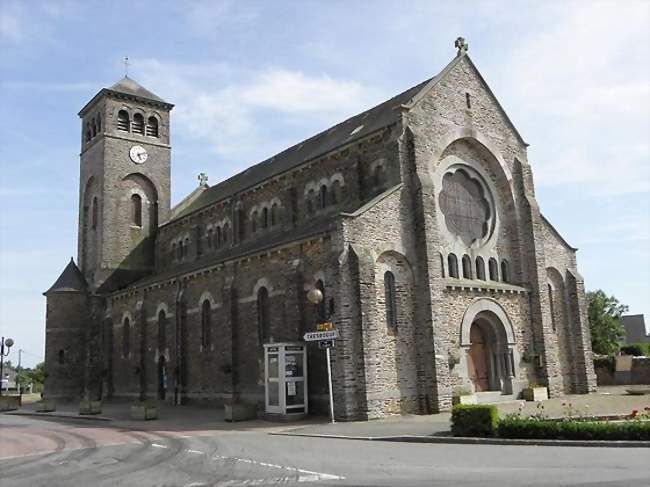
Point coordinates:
[[251, 78]]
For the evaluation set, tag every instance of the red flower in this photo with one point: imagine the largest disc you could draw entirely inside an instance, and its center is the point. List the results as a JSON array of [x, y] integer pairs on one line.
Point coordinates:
[[634, 413]]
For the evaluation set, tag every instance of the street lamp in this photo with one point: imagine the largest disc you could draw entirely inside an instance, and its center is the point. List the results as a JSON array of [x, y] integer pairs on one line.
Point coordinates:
[[8, 343]]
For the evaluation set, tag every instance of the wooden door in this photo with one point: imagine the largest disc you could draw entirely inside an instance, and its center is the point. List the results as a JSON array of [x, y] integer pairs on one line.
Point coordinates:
[[477, 363]]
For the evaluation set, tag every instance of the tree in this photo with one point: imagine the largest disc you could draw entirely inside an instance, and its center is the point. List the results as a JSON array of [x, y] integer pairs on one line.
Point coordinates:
[[37, 374], [604, 321]]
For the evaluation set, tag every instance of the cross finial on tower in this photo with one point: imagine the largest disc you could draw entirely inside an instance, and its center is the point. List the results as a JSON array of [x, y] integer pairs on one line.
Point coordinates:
[[461, 45], [126, 65], [203, 179]]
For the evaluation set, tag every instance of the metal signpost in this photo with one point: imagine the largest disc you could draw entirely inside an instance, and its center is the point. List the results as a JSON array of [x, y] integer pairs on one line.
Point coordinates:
[[325, 339]]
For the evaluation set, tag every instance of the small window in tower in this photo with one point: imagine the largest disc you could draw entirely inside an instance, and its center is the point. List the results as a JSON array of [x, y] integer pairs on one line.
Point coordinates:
[[61, 357], [217, 237], [136, 210], [224, 235], [123, 122], [138, 124], [152, 127], [206, 312], [265, 218], [323, 196], [274, 214], [94, 218], [126, 338], [94, 126], [390, 300], [468, 100]]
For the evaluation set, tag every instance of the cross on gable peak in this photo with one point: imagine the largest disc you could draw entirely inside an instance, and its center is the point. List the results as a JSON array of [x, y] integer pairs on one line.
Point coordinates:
[[461, 45]]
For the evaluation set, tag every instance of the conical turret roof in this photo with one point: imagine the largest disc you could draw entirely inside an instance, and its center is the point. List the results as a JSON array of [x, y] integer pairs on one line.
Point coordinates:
[[70, 280]]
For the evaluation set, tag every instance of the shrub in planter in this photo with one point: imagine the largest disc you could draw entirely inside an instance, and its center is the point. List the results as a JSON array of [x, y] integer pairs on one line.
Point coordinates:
[[474, 420], [513, 426]]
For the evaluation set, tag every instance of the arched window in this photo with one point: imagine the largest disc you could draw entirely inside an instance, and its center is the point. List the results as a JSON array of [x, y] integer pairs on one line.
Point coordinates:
[[138, 124], [206, 311], [380, 177], [88, 132], [505, 271], [274, 214], [390, 300], [265, 218], [442, 265], [254, 222], [494, 269], [241, 221], [467, 267], [173, 250], [152, 127], [126, 338], [310, 202], [94, 213], [323, 197], [335, 196], [224, 235], [320, 308], [180, 250], [480, 269], [217, 237], [186, 247], [452, 264], [123, 122], [61, 357], [99, 123], [262, 314], [94, 126], [162, 331], [136, 210], [551, 306], [209, 238]]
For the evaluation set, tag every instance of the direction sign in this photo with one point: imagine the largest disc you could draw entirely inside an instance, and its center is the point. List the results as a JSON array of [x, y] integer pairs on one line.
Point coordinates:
[[316, 336]]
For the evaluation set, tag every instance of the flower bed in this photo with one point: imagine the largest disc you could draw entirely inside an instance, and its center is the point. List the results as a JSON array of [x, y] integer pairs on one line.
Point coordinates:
[[481, 420]]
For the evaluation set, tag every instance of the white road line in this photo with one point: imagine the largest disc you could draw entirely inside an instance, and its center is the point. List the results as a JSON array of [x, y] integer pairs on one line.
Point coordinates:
[[309, 477], [196, 452], [156, 445]]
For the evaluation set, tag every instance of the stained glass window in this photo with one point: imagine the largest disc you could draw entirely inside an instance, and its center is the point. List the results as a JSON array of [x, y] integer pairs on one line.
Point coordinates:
[[466, 209]]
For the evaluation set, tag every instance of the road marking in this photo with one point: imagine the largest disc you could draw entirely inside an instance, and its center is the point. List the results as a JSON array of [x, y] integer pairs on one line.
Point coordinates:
[[156, 445], [196, 452], [310, 476]]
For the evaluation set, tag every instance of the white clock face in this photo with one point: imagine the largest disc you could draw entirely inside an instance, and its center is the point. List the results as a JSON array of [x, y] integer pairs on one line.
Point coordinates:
[[138, 154]]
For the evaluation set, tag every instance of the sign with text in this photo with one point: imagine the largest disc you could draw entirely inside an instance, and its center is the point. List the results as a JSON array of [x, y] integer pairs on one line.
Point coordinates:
[[316, 336]]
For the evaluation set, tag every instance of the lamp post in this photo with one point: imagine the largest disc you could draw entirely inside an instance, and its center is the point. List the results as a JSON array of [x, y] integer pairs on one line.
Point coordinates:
[[4, 343], [315, 297]]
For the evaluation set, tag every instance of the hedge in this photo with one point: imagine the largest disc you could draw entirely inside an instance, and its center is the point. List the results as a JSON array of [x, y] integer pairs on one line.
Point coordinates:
[[637, 349], [474, 420], [533, 428]]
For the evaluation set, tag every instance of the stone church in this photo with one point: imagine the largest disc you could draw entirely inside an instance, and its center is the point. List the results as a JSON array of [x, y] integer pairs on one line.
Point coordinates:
[[417, 219]]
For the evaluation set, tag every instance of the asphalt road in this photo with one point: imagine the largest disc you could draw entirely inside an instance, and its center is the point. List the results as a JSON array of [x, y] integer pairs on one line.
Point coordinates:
[[36, 452]]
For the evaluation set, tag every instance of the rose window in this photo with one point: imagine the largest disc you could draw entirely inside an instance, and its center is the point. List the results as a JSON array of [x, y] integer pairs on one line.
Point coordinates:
[[465, 206]]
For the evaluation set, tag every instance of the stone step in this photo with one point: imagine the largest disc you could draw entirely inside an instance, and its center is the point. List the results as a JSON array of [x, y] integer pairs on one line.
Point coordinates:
[[492, 397]]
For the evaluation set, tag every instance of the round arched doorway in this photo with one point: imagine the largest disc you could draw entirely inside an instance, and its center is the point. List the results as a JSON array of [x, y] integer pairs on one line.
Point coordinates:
[[487, 340]]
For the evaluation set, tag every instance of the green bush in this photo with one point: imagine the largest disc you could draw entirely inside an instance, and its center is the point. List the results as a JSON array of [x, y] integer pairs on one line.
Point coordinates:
[[474, 420], [637, 349], [533, 428]]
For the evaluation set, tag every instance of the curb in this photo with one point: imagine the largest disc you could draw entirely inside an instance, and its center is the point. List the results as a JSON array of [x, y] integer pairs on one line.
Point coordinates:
[[479, 441], [88, 417]]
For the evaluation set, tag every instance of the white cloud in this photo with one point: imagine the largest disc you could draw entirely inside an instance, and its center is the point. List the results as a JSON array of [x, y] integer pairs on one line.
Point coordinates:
[[586, 79], [235, 111], [11, 25]]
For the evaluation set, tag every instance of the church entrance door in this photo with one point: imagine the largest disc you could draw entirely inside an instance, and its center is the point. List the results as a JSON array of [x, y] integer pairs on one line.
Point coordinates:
[[477, 362]]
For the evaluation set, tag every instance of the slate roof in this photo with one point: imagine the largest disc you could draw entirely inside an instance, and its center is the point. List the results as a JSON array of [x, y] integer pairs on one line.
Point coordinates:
[[130, 87], [70, 280], [351, 129]]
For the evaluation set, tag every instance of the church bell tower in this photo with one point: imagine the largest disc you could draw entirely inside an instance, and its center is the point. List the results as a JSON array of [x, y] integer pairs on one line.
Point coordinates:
[[124, 185]]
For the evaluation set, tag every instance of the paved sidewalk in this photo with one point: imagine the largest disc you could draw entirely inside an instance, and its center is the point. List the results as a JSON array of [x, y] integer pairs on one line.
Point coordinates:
[[607, 401]]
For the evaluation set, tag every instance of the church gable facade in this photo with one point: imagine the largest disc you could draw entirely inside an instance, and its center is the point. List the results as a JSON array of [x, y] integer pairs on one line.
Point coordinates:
[[416, 219]]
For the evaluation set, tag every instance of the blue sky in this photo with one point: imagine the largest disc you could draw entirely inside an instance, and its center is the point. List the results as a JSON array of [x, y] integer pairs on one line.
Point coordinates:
[[251, 78]]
